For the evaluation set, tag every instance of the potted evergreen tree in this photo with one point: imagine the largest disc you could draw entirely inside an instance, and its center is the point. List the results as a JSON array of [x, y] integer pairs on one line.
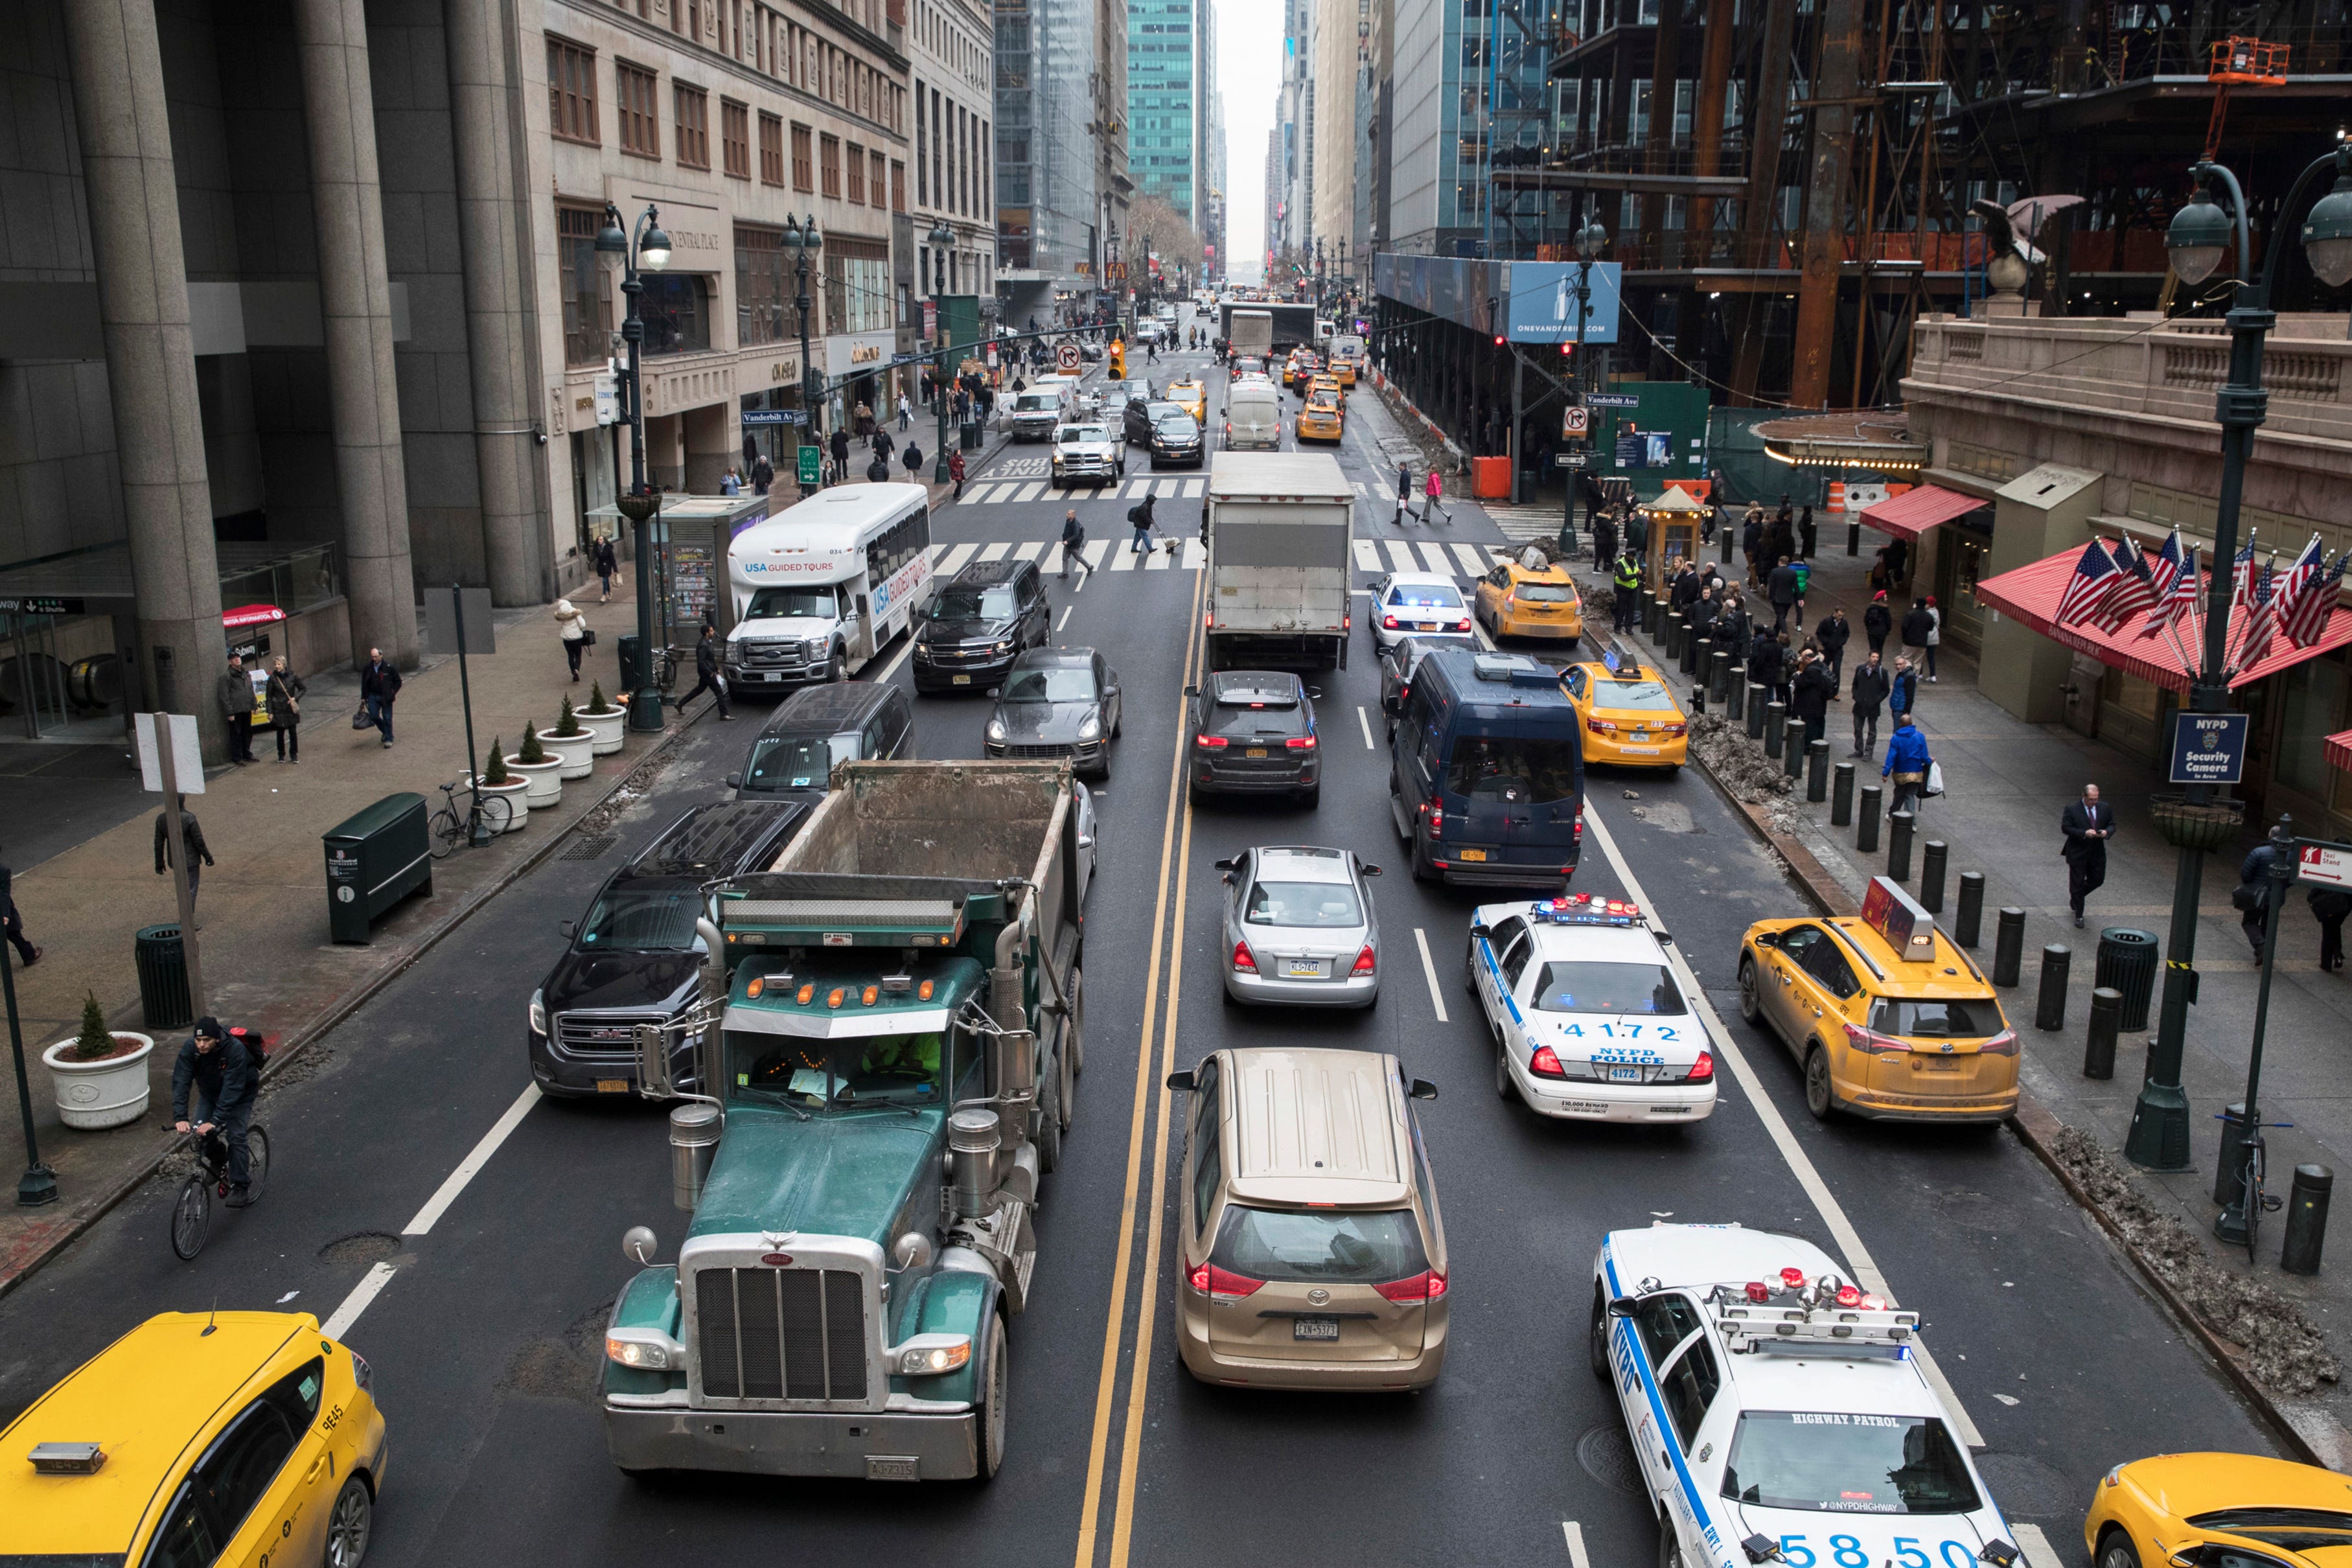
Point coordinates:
[[100, 1076], [543, 773], [605, 718], [571, 743], [499, 780]]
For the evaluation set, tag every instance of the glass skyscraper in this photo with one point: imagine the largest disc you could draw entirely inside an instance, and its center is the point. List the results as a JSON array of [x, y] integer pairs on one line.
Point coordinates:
[[1171, 76], [1044, 154]]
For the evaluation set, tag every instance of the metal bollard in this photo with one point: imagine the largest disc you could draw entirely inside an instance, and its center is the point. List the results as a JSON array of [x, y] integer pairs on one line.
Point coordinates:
[[2099, 1051], [1935, 857], [1776, 728], [1738, 695], [1817, 770], [1970, 924], [1698, 699], [1678, 635], [1793, 747], [1841, 797], [2009, 946], [2307, 1220], [2050, 1005], [1718, 674], [1723, 536], [1865, 819], [1755, 711], [1854, 539], [1697, 653], [1899, 845]]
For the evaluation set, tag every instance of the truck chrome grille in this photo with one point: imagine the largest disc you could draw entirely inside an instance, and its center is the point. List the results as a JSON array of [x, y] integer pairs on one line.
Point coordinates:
[[781, 1333]]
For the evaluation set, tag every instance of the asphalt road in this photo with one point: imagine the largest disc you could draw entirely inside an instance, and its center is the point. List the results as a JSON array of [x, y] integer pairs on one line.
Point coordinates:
[[485, 1336]]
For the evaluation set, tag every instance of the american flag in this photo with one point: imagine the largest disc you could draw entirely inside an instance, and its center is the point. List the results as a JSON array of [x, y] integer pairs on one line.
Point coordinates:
[[2167, 566], [2178, 596], [2308, 565], [2262, 620], [2305, 618], [2095, 576], [2134, 591]]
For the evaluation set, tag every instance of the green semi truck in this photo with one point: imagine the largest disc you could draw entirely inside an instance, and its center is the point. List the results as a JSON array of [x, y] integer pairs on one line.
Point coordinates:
[[900, 1012]]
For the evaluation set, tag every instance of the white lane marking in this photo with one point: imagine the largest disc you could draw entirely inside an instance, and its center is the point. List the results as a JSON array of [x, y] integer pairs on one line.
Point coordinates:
[[1368, 556], [1575, 1534], [978, 494], [1401, 555], [1825, 1204], [1365, 720], [1429, 972], [1029, 551], [1196, 555], [1092, 554], [1124, 558], [1471, 562], [994, 551], [956, 557], [906, 647], [1135, 489], [1194, 487], [1159, 558], [1434, 554], [1031, 491], [1065, 617], [1359, 487], [471, 1165], [366, 1291], [937, 551], [1167, 489], [2039, 1553]]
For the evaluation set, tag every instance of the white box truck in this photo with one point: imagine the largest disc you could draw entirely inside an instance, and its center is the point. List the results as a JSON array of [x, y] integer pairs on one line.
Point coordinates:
[[1251, 334], [1281, 538]]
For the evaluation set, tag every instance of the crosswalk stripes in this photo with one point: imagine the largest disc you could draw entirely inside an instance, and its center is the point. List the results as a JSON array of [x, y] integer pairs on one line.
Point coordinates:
[[1368, 556], [1376, 557], [1029, 551], [991, 493], [1522, 524], [994, 551]]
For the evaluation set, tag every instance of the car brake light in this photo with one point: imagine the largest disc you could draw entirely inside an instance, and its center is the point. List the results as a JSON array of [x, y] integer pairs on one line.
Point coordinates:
[[1545, 1063], [1703, 1069], [1388, 622], [1210, 742], [1428, 1285], [1244, 958], [1462, 625], [1871, 1044], [1220, 1284], [1437, 817], [1671, 729], [1300, 743], [2002, 1045], [1601, 726], [1364, 961]]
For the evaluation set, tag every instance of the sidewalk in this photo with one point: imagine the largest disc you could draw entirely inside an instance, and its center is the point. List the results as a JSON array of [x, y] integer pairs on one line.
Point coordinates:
[[267, 963], [2006, 781]]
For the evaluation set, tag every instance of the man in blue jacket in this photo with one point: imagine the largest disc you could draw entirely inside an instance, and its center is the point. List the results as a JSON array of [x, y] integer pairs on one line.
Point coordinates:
[[1908, 762], [225, 1078]]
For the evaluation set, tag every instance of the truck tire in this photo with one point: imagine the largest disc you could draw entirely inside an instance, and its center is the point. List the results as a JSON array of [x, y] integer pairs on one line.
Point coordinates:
[[1066, 1076], [995, 1383], [1048, 1137]]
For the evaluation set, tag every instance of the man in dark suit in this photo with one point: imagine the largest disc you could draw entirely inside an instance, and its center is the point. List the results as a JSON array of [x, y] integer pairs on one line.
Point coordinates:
[[2087, 823]]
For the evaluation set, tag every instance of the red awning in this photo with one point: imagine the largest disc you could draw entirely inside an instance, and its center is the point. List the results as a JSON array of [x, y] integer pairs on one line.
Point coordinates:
[[2030, 595], [2339, 750], [1913, 513]]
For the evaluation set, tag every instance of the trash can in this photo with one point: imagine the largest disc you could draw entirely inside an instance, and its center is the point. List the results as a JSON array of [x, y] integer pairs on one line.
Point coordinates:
[[373, 860], [972, 437], [2128, 962], [162, 964], [631, 648]]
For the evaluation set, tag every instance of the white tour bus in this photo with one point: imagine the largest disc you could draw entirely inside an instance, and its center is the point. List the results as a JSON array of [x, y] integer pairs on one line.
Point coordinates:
[[820, 588]]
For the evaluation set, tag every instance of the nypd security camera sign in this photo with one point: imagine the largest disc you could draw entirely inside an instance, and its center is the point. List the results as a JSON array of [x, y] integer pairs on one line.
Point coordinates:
[[2208, 748]]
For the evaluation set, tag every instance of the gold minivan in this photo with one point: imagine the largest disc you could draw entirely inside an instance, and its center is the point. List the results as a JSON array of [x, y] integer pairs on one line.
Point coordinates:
[[1311, 1255]]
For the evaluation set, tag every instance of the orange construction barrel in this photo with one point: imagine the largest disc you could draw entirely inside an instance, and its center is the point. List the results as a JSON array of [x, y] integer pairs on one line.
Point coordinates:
[[1490, 477]]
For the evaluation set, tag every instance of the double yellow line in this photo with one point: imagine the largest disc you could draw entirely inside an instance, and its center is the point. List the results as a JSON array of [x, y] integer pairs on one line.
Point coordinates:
[[1150, 1095]]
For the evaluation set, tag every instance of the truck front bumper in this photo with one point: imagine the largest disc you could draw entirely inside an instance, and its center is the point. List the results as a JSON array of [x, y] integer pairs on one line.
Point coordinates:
[[888, 1447]]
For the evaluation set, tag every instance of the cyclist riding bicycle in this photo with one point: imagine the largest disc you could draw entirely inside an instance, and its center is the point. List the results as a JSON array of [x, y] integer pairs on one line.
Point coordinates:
[[225, 1077]]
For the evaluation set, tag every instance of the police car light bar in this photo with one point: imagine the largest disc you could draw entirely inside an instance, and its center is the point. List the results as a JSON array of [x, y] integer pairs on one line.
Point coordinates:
[[1746, 1326], [1586, 910]]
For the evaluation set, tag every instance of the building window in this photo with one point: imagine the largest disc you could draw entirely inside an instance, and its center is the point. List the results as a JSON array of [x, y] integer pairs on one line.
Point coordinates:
[[879, 172], [830, 147], [922, 126], [857, 172], [735, 136], [763, 289], [856, 285], [693, 111], [676, 309], [804, 170], [772, 150], [585, 285], [640, 120], [572, 91], [898, 187]]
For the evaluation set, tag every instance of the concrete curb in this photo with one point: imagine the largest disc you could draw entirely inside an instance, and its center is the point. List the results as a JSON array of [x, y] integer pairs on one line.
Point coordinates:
[[2037, 1128], [47, 1243]]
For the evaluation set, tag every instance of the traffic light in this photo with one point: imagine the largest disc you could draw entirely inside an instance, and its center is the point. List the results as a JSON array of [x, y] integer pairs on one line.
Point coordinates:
[[1499, 342]]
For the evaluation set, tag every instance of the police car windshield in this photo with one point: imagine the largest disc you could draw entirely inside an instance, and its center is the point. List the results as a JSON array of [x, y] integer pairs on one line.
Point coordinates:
[[1831, 1462], [1320, 1246], [1590, 987], [838, 1075], [771, 603], [1640, 696], [1325, 905], [641, 920], [1431, 595]]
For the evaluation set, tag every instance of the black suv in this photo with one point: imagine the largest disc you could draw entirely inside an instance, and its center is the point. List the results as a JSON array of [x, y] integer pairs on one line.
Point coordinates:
[[1176, 440], [635, 958], [1141, 414], [979, 624], [1253, 733], [816, 727]]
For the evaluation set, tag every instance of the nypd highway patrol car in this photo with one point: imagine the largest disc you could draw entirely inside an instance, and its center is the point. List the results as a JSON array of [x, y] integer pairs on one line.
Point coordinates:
[[1588, 1020], [1777, 1413]]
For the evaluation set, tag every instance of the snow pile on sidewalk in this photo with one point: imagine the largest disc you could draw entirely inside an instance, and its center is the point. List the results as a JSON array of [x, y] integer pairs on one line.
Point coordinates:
[[2282, 1346], [1740, 766]]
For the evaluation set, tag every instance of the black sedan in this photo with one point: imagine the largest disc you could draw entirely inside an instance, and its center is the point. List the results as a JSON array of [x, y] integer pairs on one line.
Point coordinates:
[[1176, 441], [1142, 411], [1058, 702], [1253, 733]]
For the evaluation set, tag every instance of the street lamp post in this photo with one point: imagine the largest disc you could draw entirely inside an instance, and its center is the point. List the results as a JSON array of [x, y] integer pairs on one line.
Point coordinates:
[[941, 237], [1590, 241], [2197, 241], [626, 251], [803, 239], [2233, 1222]]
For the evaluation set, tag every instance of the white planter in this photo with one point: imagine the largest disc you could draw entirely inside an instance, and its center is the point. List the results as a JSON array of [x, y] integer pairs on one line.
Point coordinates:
[[606, 728], [545, 780], [517, 794], [96, 1095], [576, 752]]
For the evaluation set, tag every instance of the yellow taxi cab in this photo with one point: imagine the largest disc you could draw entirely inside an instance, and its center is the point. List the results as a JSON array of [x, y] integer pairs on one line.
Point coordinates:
[[1192, 398], [1322, 419], [1300, 369], [1325, 382], [1628, 713], [1345, 369], [2220, 1508], [1889, 1018], [199, 1437], [1515, 602]]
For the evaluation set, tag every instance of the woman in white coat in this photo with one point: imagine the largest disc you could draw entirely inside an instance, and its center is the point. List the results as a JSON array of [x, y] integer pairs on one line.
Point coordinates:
[[571, 627]]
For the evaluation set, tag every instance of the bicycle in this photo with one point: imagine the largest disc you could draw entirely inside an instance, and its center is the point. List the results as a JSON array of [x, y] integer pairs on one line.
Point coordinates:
[[192, 1215], [666, 669], [2256, 1202], [450, 829]]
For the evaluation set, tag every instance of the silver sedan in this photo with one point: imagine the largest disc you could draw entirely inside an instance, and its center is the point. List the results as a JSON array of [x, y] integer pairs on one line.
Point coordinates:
[[1300, 928]]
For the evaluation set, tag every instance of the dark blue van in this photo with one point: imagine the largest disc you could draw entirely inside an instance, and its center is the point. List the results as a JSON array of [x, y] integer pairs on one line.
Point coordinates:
[[1487, 772]]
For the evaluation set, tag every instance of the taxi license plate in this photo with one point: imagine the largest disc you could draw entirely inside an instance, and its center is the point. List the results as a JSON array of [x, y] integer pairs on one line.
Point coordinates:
[[611, 1085], [1474, 855], [1303, 969], [1624, 1075], [1640, 735], [1254, 751], [1313, 1328]]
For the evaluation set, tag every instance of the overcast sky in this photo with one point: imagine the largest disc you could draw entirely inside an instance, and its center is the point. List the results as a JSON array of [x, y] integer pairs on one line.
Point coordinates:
[[1249, 70]]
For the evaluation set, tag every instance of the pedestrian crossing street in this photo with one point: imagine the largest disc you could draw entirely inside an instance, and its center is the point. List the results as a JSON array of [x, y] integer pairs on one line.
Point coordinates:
[[1374, 557], [991, 491]]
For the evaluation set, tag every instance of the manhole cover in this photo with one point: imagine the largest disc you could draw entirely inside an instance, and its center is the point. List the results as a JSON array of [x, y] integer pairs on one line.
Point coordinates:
[[2028, 1487], [1607, 1457], [591, 848], [367, 1247]]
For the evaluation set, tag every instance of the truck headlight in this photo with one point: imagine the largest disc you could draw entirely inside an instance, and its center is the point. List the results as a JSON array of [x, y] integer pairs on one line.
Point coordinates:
[[539, 1012], [928, 1355], [643, 1349]]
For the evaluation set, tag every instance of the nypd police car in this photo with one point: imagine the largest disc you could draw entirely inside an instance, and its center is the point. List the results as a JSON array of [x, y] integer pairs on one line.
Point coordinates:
[[1778, 1414], [1588, 1020]]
